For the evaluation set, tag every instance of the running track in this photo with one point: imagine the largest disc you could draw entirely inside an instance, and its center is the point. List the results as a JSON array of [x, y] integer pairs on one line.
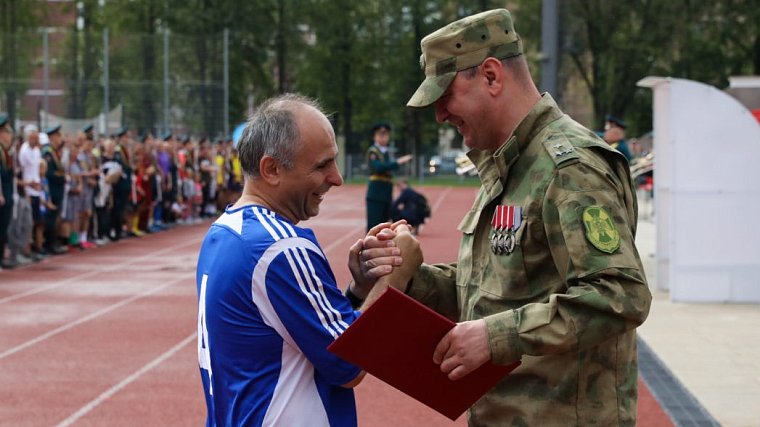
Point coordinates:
[[107, 336]]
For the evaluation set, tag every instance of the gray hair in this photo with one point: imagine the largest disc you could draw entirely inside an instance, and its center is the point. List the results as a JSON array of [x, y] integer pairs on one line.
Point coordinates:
[[272, 130]]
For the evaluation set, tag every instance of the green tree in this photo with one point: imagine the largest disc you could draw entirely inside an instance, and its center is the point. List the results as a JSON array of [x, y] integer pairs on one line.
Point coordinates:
[[134, 67], [614, 44], [18, 20], [80, 64], [716, 40]]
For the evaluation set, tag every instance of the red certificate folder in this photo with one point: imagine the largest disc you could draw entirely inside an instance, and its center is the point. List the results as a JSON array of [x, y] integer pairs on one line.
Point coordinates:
[[394, 340]]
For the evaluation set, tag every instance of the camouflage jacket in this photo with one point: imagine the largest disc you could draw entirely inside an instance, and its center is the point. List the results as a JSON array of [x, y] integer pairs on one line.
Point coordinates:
[[567, 299]]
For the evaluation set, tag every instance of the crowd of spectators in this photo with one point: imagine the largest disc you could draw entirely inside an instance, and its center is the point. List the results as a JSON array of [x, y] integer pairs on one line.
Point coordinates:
[[76, 191]]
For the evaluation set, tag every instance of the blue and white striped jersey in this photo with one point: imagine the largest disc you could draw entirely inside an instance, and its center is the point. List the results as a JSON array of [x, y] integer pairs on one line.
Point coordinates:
[[268, 308]]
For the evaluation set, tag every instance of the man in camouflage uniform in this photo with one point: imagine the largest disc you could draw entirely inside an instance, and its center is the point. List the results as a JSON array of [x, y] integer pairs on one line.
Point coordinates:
[[548, 272], [380, 189]]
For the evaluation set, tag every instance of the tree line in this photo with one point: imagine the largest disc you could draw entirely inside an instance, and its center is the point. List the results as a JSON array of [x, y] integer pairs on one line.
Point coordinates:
[[361, 59]]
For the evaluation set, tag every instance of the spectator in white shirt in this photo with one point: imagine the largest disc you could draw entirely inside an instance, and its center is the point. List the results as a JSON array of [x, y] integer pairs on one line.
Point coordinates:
[[29, 159]]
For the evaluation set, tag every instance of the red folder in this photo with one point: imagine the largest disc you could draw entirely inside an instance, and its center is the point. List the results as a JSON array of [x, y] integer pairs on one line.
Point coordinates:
[[394, 340]]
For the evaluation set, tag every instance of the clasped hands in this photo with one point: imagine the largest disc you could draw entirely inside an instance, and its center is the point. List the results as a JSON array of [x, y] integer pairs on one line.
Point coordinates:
[[377, 260], [389, 256]]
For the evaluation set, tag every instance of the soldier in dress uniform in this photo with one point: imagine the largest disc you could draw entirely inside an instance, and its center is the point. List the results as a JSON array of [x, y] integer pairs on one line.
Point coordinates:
[[548, 273], [56, 178], [6, 185], [380, 189]]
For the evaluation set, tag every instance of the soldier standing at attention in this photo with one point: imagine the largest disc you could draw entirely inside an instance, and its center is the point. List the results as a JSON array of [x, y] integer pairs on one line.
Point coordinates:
[[548, 272], [380, 188], [56, 177]]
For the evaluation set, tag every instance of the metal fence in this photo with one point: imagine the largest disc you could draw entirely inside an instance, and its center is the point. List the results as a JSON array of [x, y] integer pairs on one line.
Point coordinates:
[[421, 168], [149, 82]]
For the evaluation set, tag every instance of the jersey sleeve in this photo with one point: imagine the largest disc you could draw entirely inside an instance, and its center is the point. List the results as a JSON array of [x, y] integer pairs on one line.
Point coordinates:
[[306, 301]]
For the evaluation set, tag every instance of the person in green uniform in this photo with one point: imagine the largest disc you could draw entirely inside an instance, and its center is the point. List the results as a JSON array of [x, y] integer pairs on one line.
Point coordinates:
[[6, 185], [614, 134], [56, 178], [380, 189], [548, 273]]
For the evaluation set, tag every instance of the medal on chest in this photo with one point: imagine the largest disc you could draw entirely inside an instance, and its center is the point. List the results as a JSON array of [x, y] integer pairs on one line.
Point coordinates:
[[505, 222]]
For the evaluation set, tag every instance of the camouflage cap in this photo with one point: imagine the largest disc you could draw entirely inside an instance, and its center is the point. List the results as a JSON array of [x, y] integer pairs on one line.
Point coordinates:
[[461, 45]]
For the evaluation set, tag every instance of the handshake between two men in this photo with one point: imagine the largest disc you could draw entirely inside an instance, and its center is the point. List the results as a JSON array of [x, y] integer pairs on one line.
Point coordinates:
[[389, 255]]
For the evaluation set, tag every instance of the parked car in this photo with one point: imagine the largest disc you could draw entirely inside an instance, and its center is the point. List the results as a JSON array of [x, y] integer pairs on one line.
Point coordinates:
[[445, 164], [452, 162]]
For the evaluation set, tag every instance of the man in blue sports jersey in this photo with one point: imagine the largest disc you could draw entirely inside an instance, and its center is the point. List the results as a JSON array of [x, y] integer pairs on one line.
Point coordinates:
[[268, 302]]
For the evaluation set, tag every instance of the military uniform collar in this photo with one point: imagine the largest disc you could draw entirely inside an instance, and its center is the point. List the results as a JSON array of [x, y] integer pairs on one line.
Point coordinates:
[[544, 112], [493, 168]]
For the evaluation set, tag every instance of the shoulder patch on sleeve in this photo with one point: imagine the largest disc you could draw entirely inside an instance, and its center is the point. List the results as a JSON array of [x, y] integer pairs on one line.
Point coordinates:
[[560, 150], [600, 229]]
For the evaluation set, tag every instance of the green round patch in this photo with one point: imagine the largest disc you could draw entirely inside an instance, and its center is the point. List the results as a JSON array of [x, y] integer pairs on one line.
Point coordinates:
[[600, 229]]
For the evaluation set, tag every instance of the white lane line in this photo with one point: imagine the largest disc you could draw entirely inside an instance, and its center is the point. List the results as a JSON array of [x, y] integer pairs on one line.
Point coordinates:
[[441, 197], [345, 236], [84, 410], [105, 310], [115, 267]]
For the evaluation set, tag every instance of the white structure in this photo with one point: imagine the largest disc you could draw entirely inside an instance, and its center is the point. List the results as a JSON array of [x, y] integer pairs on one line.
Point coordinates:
[[707, 193], [103, 125]]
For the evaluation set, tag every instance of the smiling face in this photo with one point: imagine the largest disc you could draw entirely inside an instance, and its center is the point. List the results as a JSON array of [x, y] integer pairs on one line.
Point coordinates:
[[302, 188], [464, 105]]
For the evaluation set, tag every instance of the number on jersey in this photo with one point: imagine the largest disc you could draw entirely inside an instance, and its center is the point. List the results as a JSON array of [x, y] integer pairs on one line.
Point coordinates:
[[204, 356]]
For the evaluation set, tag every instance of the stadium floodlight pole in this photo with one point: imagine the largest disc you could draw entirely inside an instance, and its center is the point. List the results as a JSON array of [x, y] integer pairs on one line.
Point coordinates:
[[106, 87], [45, 76], [167, 124], [549, 46], [226, 83]]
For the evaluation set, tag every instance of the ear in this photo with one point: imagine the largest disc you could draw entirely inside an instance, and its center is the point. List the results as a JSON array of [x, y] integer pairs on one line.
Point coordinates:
[[269, 169], [494, 75]]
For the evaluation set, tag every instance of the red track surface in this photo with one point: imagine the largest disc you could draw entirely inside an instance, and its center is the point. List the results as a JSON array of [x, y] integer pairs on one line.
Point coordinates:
[[107, 336]]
